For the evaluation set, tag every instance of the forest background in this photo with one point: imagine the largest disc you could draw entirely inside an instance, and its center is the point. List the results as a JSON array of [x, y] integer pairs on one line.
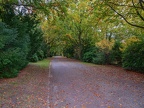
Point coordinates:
[[95, 31]]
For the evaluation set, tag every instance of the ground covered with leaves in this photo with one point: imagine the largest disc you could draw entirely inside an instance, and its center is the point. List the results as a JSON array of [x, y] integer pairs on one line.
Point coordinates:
[[69, 83], [28, 90], [74, 84]]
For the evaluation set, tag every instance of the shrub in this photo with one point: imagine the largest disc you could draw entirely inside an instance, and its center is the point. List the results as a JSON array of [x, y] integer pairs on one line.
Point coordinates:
[[40, 54], [14, 41], [133, 56], [34, 58], [103, 55], [69, 51], [20, 39], [116, 53], [36, 41], [11, 58], [100, 58], [89, 55], [10, 62], [45, 48], [10, 73]]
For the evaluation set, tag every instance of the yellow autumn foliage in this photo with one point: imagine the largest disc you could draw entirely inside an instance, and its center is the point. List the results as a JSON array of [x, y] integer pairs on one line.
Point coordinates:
[[105, 45], [128, 41], [69, 36]]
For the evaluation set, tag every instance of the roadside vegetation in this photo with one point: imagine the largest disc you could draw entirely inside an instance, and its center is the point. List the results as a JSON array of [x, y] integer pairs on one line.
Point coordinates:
[[21, 40], [100, 32], [29, 89], [43, 63]]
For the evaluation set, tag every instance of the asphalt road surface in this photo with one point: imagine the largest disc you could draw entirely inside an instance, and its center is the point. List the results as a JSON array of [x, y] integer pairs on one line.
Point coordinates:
[[77, 85]]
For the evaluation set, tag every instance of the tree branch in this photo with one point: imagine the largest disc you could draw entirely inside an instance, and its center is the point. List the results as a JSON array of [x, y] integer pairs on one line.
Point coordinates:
[[124, 5], [141, 4], [125, 18], [141, 17]]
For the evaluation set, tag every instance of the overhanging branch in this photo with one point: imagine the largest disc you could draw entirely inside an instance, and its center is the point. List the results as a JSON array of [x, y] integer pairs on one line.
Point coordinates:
[[125, 5], [138, 13], [125, 18], [141, 4]]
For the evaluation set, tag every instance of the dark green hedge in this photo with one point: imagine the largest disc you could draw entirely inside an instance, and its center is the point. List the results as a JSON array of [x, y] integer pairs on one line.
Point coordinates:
[[21, 41], [133, 56], [12, 54]]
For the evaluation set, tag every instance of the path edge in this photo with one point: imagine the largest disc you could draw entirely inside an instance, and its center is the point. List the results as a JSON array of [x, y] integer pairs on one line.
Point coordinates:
[[49, 76]]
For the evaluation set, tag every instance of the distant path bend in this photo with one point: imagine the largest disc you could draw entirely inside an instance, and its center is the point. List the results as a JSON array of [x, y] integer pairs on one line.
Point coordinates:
[[77, 85]]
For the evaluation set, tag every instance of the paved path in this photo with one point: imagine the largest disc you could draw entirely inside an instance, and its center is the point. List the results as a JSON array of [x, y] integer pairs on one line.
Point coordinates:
[[77, 85]]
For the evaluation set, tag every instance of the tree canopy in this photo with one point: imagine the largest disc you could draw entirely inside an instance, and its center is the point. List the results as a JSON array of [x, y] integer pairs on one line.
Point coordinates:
[[97, 31]]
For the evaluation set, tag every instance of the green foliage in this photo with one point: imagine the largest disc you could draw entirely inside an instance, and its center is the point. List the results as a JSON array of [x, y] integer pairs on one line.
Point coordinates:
[[89, 55], [34, 58], [40, 54], [8, 35], [17, 41], [100, 58], [43, 63], [116, 53], [133, 56], [69, 51], [45, 48], [12, 58], [35, 42], [38, 47], [72, 28], [95, 55]]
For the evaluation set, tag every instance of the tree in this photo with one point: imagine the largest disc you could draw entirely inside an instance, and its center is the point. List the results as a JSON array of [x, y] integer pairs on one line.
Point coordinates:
[[13, 51], [78, 25], [133, 56], [131, 11], [26, 40]]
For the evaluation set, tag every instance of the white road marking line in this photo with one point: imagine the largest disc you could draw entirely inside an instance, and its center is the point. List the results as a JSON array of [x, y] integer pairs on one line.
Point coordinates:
[[49, 76]]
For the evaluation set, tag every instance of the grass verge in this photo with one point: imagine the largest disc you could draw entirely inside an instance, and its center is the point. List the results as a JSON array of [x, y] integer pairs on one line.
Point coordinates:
[[44, 63]]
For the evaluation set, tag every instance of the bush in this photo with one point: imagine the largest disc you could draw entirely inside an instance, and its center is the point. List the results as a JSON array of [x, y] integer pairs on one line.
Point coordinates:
[[89, 55], [14, 41], [116, 53], [69, 51], [36, 41], [100, 58], [34, 58], [20, 39], [133, 56], [45, 48], [12, 57], [8, 64], [10, 73], [96, 55], [40, 54]]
